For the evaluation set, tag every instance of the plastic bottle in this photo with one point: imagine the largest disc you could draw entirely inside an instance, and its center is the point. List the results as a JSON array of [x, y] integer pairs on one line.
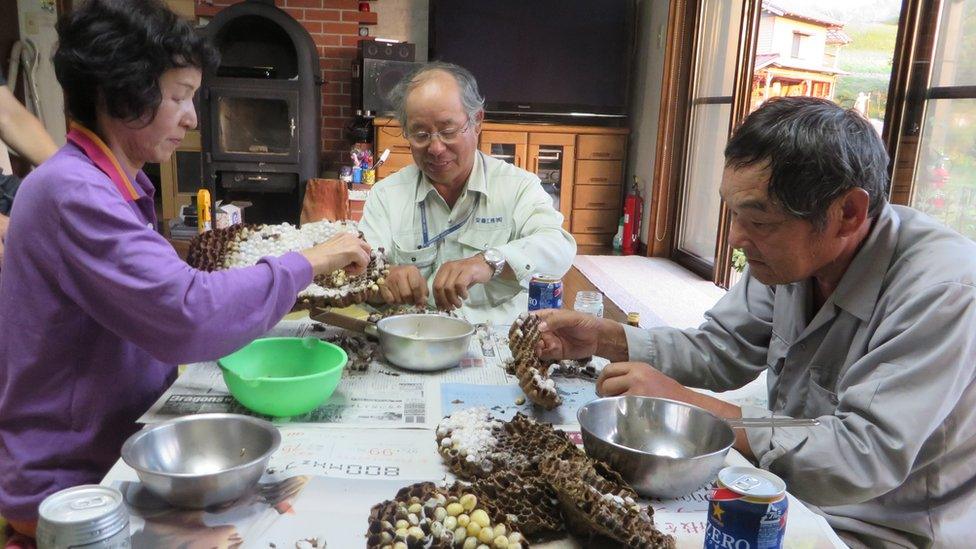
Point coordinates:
[[618, 239]]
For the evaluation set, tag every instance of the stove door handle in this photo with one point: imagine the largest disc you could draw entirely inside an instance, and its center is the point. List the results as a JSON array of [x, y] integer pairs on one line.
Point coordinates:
[[292, 126]]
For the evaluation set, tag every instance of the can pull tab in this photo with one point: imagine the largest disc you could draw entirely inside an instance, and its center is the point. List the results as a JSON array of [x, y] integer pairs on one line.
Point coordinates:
[[746, 483], [88, 503]]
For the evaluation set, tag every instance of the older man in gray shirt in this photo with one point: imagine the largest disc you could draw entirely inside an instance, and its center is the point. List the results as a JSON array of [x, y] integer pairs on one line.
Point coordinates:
[[863, 315]]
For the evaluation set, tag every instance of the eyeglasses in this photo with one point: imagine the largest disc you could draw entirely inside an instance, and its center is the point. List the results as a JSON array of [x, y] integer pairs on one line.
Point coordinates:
[[447, 136]]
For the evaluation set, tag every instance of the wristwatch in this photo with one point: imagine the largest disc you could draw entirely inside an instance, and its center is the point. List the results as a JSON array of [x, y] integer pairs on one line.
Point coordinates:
[[495, 260]]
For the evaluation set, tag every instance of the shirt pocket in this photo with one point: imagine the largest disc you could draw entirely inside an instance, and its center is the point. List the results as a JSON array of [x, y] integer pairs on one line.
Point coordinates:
[[405, 252], [821, 400]]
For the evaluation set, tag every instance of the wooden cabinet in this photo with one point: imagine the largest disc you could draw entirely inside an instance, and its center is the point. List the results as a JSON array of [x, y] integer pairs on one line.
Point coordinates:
[[582, 167]]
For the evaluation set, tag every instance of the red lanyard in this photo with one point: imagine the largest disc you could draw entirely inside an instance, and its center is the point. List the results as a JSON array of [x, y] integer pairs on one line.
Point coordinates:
[[99, 153]]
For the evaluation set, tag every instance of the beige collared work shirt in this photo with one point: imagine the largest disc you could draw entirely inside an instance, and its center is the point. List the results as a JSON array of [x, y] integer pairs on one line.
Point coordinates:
[[888, 365], [511, 213]]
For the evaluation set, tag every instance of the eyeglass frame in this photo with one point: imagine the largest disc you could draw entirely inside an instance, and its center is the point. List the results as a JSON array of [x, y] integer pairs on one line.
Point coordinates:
[[410, 136]]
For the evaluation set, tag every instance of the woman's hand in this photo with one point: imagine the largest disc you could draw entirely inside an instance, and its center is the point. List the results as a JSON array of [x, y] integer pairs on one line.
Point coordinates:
[[344, 251]]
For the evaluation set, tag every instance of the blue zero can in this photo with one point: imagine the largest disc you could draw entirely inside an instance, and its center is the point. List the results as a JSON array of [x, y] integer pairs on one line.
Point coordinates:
[[545, 292], [746, 510]]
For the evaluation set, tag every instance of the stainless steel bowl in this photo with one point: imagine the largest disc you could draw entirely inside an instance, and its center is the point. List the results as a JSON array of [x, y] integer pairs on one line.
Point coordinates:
[[424, 342], [663, 448], [202, 460]]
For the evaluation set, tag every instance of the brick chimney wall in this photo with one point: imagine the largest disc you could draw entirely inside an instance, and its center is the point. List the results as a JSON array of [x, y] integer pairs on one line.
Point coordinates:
[[334, 26]]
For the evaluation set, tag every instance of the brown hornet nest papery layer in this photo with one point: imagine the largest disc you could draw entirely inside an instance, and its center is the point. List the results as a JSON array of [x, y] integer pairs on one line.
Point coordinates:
[[244, 245], [541, 483], [532, 373]]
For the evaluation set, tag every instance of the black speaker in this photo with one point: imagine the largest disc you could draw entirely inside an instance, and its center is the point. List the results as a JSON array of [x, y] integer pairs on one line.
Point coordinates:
[[391, 51], [372, 81]]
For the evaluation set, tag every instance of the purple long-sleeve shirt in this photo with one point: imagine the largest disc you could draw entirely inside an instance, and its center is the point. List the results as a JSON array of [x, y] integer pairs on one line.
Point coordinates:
[[96, 309]]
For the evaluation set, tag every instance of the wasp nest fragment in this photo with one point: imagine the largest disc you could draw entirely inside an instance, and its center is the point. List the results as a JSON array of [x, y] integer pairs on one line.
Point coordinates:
[[397, 310], [423, 515], [360, 350], [541, 482], [532, 373], [245, 245]]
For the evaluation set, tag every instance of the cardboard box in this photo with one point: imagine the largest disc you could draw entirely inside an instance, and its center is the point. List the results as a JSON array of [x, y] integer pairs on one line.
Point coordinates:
[[230, 214]]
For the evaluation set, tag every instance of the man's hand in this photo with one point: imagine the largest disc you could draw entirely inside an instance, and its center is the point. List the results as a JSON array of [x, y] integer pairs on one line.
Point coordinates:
[[344, 251], [455, 277], [404, 285], [569, 334], [640, 378]]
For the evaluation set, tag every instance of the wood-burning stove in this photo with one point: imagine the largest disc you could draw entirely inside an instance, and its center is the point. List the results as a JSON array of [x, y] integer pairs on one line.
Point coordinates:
[[261, 111]]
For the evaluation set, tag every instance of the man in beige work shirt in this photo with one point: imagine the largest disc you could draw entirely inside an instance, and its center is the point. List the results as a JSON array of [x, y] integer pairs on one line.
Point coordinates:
[[462, 229]]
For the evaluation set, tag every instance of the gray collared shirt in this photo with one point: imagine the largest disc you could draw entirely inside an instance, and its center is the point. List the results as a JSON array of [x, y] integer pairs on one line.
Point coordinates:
[[887, 365]]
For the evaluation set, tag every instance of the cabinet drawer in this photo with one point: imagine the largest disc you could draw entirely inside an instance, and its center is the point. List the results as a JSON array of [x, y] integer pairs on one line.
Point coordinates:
[[391, 138], [596, 197], [595, 239], [603, 147], [595, 221], [599, 172], [393, 164]]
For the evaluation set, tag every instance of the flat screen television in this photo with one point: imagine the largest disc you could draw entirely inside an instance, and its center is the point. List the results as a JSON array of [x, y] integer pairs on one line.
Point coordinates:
[[540, 58]]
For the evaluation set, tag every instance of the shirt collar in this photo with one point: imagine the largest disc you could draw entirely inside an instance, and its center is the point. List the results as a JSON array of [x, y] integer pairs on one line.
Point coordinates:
[[860, 286], [476, 180]]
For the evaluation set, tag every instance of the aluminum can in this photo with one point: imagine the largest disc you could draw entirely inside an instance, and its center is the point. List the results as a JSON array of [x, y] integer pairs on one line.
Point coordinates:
[[746, 510], [88, 516], [545, 292]]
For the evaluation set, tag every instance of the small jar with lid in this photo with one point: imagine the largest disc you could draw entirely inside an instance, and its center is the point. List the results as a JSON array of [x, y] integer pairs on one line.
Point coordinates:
[[589, 302]]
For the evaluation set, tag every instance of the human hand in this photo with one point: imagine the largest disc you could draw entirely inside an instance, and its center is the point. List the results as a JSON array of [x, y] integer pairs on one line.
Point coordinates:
[[455, 277], [343, 251], [567, 334], [404, 285], [4, 223], [642, 379]]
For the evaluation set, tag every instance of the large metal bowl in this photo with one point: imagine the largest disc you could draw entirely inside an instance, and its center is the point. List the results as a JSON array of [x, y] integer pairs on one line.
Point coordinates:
[[663, 448], [424, 342], [202, 460]]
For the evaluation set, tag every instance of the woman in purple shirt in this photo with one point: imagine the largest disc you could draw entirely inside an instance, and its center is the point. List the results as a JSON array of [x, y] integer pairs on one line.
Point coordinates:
[[96, 308]]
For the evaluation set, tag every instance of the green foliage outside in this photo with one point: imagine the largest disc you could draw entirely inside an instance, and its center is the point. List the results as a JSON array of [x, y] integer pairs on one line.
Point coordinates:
[[867, 59]]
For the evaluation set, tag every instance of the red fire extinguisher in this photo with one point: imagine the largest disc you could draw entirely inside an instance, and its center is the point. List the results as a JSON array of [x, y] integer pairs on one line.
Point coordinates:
[[633, 213]]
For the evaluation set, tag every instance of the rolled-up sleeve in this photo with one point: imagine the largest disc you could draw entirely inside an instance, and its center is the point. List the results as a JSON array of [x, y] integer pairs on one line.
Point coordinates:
[[890, 402], [540, 244], [727, 351], [130, 280]]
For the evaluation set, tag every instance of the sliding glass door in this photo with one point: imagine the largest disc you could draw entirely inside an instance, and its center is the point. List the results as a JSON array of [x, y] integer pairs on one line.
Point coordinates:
[[713, 80], [944, 182]]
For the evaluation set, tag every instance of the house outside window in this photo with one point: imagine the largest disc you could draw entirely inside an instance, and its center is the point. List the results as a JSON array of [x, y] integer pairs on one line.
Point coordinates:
[[798, 39]]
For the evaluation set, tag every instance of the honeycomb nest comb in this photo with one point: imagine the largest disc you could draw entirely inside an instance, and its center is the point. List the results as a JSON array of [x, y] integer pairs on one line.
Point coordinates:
[[542, 482], [532, 373], [209, 252], [424, 515]]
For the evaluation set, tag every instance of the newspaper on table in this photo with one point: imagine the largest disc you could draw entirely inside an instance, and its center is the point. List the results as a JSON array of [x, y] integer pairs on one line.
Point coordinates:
[[383, 396], [319, 488]]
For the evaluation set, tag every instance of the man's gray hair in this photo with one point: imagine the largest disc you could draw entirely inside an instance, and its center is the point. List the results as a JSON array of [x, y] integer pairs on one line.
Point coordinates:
[[471, 99]]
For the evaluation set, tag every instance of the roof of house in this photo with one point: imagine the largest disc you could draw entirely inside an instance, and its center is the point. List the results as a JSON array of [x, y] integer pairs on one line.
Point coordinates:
[[837, 36], [799, 9], [764, 60]]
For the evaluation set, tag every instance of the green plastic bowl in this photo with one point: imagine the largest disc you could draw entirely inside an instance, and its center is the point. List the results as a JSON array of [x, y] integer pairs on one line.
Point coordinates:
[[283, 376]]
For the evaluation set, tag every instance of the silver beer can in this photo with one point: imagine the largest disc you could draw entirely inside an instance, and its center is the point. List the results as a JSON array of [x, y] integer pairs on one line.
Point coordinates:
[[88, 516]]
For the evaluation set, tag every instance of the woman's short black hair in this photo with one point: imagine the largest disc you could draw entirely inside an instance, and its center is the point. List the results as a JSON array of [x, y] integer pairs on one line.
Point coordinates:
[[815, 151], [117, 50]]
